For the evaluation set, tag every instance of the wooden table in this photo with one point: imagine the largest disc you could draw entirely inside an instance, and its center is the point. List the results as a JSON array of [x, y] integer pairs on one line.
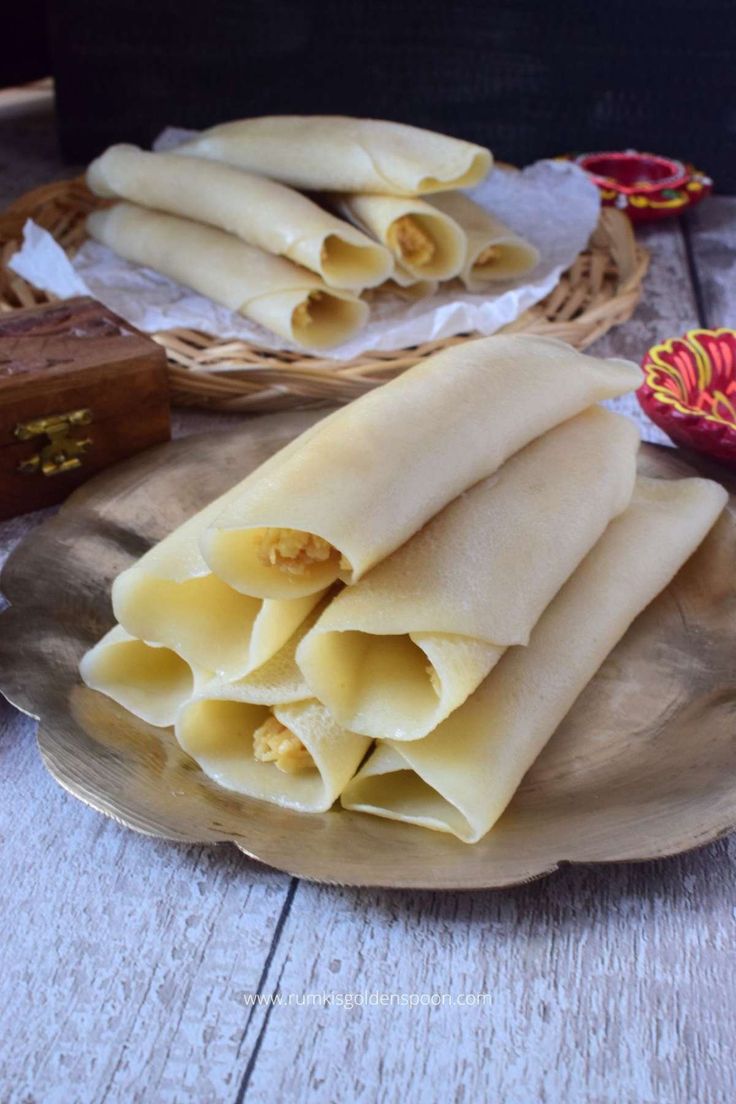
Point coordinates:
[[128, 966]]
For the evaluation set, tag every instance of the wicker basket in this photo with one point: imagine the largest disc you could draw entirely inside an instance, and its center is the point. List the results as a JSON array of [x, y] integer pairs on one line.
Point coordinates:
[[598, 291]]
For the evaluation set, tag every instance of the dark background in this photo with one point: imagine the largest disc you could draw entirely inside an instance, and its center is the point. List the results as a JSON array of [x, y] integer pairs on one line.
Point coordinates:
[[529, 78]]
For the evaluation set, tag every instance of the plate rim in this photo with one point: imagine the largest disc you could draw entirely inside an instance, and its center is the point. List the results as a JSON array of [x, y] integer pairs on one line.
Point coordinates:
[[11, 575]]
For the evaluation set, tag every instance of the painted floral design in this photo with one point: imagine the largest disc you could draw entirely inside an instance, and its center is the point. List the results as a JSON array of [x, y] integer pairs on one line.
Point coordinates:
[[690, 390]]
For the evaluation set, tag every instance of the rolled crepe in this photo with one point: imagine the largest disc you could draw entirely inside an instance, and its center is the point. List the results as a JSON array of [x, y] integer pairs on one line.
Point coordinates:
[[170, 597], [493, 252], [289, 300], [146, 679], [423, 240], [398, 652], [278, 681], [365, 479], [463, 775], [154, 682], [294, 755], [336, 153], [260, 212]]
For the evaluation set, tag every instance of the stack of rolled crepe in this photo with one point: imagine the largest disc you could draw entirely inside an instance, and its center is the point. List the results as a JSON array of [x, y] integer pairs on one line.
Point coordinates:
[[375, 614], [222, 216]]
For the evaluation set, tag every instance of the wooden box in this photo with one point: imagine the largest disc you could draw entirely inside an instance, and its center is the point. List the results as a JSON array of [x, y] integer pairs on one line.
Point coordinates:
[[80, 389]]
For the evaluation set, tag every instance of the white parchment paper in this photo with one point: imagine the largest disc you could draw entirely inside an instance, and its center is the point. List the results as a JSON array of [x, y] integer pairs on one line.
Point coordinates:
[[552, 204]]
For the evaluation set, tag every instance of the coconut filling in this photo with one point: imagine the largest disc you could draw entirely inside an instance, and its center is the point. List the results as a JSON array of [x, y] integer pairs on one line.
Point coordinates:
[[255, 750], [296, 552], [407, 238], [488, 255], [503, 259], [322, 319], [274, 561], [303, 315], [274, 743]]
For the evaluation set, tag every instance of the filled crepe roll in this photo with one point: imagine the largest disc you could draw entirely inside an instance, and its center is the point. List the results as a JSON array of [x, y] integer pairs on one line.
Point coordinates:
[[230, 728], [398, 652], [365, 479], [336, 153], [170, 597], [154, 682], [294, 755], [424, 241], [148, 680], [461, 777], [260, 212], [494, 252], [286, 299]]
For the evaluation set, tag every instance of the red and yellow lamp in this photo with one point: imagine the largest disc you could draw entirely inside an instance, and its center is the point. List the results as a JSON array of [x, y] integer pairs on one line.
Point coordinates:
[[689, 391], [644, 185]]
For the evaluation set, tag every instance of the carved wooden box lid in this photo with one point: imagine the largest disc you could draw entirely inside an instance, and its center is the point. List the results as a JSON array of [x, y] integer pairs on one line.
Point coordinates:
[[80, 389]]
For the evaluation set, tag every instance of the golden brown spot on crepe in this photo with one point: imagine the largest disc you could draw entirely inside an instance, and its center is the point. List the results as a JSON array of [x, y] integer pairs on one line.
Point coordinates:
[[293, 550], [488, 255], [406, 237], [274, 743]]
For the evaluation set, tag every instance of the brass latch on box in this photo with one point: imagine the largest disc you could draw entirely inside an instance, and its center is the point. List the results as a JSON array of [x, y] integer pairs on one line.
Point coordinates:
[[62, 452]]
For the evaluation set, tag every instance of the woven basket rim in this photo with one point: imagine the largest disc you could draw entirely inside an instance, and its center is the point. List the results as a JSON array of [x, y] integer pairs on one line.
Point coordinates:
[[599, 290]]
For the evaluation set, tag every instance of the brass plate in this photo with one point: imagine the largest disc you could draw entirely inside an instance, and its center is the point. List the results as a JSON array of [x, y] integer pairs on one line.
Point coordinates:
[[643, 766]]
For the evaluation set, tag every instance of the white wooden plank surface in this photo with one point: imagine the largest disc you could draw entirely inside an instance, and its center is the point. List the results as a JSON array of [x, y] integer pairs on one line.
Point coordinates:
[[126, 963], [124, 979], [122, 957], [606, 985]]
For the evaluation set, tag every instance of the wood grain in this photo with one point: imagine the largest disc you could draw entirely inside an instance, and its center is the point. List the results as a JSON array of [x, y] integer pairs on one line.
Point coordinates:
[[605, 985], [126, 962], [712, 234], [121, 956], [667, 307]]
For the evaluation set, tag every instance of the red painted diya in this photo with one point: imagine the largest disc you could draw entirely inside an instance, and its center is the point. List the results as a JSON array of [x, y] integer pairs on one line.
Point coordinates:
[[689, 391], [644, 185]]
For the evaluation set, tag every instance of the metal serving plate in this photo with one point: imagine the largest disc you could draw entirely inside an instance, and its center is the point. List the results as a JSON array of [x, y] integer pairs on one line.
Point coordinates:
[[643, 766]]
